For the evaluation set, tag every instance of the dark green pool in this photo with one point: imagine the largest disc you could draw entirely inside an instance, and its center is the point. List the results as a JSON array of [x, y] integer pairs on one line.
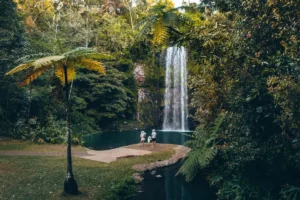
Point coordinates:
[[110, 140], [162, 184]]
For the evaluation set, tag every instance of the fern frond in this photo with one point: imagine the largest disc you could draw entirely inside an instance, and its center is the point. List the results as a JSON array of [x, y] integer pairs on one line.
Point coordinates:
[[46, 61], [203, 149], [190, 167], [146, 27], [217, 124], [142, 22], [290, 192], [206, 157], [20, 67], [92, 65], [60, 74], [31, 57], [197, 159], [160, 33], [79, 52], [32, 76]]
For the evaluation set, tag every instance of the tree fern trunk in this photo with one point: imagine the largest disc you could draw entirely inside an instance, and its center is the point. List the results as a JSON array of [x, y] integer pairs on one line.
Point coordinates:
[[70, 185]]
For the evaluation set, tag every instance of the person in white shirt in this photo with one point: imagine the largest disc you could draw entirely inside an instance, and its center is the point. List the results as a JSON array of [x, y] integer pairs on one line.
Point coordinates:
[[149, 139], [153, 136], [143, 137]]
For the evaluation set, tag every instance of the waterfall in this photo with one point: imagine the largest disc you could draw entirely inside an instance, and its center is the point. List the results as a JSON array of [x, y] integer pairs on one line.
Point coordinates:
[[175, 111]]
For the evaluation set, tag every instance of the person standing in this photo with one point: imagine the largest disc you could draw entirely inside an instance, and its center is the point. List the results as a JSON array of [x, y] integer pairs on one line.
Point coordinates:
[[153, 136], [143, 137], [149, 139]]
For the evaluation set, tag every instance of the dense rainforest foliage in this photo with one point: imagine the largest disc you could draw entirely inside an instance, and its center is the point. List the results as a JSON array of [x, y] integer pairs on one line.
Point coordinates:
[[244, 94], [49, 27]]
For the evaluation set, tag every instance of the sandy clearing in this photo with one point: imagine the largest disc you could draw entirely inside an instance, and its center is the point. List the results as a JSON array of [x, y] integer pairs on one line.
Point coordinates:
[[106, 156], [111, 155]]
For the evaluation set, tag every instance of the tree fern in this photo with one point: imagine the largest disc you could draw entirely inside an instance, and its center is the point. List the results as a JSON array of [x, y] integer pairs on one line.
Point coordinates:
[[203, 149], [65, 66], [160, 17]]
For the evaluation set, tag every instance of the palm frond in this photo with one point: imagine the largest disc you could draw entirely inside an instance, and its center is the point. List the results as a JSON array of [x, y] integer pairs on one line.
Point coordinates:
[[31, 57], [92, 65], [79, 52], [146, 27], [46, 61], [160, 33], [60, 73], [20, 67], [32, 76]]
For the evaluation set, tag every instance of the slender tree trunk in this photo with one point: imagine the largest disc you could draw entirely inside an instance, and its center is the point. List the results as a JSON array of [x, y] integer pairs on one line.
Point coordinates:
[[70, 185], [29, 105], [158, 89], [128, 6]]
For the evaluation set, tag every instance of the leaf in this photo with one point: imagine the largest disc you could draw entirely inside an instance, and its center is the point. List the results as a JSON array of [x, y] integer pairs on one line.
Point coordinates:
[[203, 149], [31, 57], [79, 52], [20, 67], [46, 61], [160, 33], [32, 76], [60, 74], [92, 65]]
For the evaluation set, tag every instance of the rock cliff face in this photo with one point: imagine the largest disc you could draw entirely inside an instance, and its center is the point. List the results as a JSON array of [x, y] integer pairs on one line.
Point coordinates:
[[148, 108]]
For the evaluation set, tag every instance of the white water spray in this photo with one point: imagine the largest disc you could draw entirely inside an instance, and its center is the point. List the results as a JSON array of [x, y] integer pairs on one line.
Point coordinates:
[[175, 111]]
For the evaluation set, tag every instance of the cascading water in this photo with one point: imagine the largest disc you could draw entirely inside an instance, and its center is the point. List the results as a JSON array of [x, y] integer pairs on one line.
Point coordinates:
[[175, 111]]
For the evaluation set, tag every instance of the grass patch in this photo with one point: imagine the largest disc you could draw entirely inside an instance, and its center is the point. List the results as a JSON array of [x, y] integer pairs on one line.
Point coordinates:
[[42, 177], [20, 145]]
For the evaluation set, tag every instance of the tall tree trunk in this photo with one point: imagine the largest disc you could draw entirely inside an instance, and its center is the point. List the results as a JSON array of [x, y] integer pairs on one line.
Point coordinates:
[[128, 6], [158, 95], [70, 185], [29, 105]]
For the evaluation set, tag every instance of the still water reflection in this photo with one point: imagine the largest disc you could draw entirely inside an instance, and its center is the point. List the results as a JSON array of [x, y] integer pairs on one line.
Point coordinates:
[[171, 187], [110, 140]]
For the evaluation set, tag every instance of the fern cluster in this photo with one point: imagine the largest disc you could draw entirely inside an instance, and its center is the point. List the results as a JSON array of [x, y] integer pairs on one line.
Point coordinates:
[[158, 22], [203, 149]]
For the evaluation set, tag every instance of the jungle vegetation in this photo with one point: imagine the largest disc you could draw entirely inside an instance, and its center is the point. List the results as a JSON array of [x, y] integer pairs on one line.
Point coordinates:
[[244, 92]]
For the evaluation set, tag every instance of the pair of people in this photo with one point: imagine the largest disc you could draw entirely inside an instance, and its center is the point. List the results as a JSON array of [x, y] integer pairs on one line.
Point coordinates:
[[151, 138]]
